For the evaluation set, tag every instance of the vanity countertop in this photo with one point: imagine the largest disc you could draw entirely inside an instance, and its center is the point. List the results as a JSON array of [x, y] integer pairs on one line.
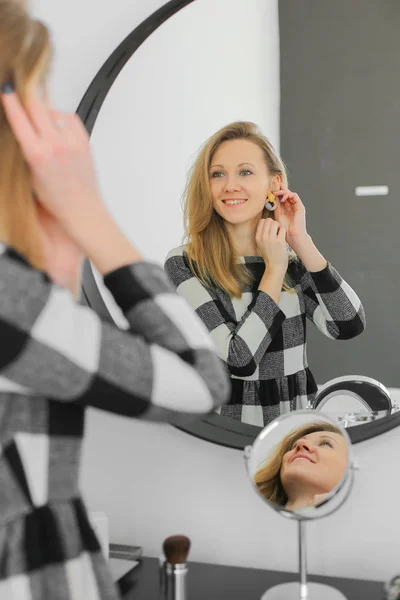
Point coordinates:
[[216, 582]]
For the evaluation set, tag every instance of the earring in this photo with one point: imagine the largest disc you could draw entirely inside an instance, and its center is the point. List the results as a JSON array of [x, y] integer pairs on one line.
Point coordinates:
[[271, 204]]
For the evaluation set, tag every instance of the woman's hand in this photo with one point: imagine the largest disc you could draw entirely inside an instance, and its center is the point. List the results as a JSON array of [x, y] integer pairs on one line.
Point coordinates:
[[319, 499], [63, 258], [56, 148], [271, 241], [291, 214]]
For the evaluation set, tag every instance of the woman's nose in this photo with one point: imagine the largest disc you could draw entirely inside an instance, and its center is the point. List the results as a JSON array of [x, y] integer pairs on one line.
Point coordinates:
[[303, 445], [232, 184]]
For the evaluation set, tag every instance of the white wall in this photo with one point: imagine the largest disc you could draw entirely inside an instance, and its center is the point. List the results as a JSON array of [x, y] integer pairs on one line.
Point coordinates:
[[85, 33], [153, 480]]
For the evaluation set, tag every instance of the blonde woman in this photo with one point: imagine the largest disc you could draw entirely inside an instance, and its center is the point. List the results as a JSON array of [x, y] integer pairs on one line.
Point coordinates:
[[57, 357], [252, 293], [306, 466]]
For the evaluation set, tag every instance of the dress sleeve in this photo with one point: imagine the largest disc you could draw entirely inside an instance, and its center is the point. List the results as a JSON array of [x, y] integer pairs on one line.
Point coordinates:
[[330, 303], [241, 345], [163, 368]]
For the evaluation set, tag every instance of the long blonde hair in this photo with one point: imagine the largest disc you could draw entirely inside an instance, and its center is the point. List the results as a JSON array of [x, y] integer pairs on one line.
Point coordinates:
[[25, 55], [209, 248], [268, 477]]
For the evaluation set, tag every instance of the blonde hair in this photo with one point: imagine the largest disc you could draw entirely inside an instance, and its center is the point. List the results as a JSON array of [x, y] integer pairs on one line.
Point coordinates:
[[268, 477], [209, 249], [25, 54]]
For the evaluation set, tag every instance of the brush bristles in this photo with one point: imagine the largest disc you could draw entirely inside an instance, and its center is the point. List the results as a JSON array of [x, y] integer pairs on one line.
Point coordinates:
[[176, 549]]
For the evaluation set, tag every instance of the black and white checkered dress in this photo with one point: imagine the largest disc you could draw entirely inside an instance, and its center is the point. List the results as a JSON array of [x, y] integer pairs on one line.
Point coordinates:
[[57, 358], [264, 344]]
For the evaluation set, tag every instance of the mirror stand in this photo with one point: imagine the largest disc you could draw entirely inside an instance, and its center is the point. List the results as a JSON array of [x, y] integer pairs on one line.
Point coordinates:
[[303, 590]]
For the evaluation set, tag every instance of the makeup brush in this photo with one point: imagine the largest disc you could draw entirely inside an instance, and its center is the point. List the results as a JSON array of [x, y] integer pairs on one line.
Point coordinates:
[[173, 568], [176, 549]]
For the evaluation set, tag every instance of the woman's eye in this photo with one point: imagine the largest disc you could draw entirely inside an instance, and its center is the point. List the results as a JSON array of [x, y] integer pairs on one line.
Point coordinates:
[[246, 172], [326, 443], [217, 174]]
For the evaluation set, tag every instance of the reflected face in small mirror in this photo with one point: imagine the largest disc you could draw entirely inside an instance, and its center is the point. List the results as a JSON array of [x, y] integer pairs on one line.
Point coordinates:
[[240, 181], [305, 467]]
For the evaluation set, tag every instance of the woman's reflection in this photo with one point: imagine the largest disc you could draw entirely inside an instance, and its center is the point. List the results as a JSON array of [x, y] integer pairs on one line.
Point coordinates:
[[253, 275], [305, 467]]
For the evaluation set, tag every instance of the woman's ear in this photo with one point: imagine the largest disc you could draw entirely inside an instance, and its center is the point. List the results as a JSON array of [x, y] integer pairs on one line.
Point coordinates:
[[276, 182]]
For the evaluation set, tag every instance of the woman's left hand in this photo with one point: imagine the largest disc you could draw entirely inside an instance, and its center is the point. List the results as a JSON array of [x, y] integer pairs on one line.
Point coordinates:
[[319, 499], [291, 214]]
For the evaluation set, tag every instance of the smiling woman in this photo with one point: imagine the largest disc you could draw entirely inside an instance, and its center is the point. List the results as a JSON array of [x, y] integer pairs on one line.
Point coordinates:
[[254, 276], [305, 466]]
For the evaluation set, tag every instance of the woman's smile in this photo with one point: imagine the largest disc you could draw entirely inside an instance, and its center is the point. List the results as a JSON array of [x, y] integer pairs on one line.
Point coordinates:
[[234, 202], [303, 457]]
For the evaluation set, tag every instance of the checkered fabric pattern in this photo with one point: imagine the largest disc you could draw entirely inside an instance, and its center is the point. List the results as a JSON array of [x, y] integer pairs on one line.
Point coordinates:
[[263, 344], [57, 358]]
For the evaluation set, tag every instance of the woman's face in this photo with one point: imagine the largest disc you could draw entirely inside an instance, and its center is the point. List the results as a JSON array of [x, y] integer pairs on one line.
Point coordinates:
[[315, 465], [240, 181]]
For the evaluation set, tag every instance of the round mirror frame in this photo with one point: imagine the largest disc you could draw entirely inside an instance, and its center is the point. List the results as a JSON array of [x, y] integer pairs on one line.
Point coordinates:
[[213, 428]]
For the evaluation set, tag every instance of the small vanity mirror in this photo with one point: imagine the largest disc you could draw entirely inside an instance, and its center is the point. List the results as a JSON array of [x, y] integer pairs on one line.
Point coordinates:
[[302, 465]]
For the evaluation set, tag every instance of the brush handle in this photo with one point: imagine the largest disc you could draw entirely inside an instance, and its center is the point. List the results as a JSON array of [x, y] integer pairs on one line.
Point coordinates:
[[173, 584]]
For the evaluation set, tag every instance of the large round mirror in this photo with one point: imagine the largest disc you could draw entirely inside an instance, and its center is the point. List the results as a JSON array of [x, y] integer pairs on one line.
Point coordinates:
[[148, 124], [302, 465]]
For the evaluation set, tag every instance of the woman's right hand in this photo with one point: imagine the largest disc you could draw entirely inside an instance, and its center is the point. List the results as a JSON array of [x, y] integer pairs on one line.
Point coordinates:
[[56, 148], [271, 241]]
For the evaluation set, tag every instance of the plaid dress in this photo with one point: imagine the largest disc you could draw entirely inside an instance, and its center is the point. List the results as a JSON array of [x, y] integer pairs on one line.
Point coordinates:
[[263, 344], [57, 358]]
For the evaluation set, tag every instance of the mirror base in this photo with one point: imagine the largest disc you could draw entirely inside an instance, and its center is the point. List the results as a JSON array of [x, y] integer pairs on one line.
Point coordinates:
[[291, 591]]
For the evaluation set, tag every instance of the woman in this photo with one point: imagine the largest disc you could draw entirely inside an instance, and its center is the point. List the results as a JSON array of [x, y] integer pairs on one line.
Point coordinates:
[[250, 291], [306, 466], [56, 356]]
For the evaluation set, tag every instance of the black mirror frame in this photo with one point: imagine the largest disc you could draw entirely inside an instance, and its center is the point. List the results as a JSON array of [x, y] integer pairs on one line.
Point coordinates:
[[214, 428]]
